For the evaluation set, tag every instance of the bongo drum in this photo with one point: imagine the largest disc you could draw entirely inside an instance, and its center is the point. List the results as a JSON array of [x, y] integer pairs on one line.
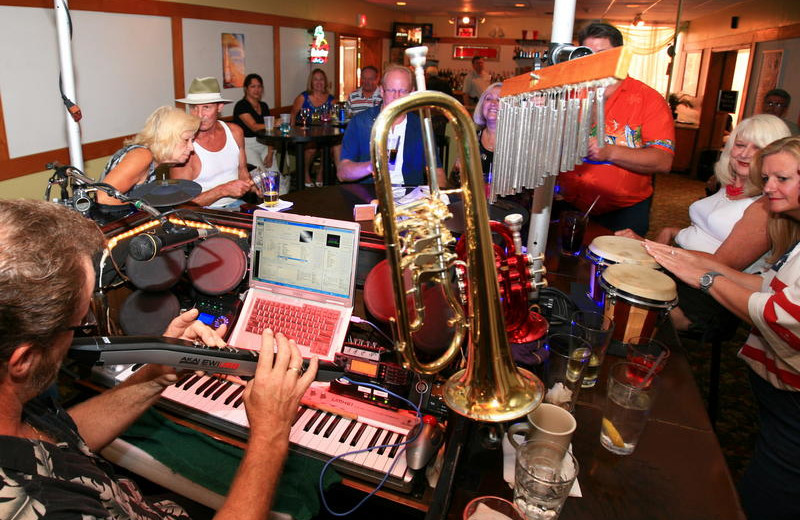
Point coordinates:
[[637, 298], [158, 274], [609, 250], [216, 265]]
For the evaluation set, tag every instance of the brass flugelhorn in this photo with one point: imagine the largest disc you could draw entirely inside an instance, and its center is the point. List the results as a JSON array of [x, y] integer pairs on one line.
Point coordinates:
[[491, 387]]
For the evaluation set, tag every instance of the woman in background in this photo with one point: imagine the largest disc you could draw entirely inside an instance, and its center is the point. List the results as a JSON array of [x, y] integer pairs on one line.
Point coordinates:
[[770, 487], [249, 114], [165, 139], [729, 226], [485, 116], [315, 98]]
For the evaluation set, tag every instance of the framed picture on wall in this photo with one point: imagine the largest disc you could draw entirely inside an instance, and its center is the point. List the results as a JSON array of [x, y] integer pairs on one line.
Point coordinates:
[[691, 72], [232, 60], [467, 52], [768, 73]]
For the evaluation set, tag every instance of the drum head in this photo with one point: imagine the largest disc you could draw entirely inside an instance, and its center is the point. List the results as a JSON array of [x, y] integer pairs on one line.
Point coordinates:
[[621, 250], [435, 333], [148, 313], [640, 281], [217, 265], [158, 274]]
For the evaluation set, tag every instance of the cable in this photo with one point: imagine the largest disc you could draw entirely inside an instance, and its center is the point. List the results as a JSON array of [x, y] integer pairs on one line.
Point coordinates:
[[356, 319], [388, 470]]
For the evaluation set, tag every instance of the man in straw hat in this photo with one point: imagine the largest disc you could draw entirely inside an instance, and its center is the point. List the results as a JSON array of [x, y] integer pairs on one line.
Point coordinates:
[[218, 163]]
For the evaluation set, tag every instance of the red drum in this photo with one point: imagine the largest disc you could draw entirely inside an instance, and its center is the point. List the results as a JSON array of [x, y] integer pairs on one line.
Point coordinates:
[[217, 265], [610, 250], [148, 313], [158, 274], [637, 298]]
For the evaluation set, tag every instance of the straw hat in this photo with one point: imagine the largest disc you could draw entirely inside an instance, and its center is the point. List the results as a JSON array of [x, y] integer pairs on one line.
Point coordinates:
[[203, 91]]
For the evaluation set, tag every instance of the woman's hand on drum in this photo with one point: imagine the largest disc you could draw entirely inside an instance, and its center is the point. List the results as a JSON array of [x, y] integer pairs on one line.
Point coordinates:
[[682, 263], [627, 233]]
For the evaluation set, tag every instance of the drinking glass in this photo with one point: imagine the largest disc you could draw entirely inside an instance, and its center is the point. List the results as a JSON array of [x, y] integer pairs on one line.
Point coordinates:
[[597, 329], [627, 408], [543, 477], [563, 369], [572, 227], [644, 353]]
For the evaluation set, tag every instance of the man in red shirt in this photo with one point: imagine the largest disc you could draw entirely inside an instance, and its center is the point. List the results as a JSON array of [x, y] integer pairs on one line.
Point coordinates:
[[640, 137]]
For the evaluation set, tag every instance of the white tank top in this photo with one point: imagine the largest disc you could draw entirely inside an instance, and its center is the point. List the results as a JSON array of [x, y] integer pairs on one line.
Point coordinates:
[[218, 167], [713, 219]]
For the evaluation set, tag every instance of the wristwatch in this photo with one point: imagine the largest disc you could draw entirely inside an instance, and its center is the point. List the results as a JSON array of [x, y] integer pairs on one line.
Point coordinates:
[[707, 280]]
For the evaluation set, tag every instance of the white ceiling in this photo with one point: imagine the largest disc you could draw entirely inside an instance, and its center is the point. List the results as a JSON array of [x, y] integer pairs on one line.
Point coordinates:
[[653, 10]]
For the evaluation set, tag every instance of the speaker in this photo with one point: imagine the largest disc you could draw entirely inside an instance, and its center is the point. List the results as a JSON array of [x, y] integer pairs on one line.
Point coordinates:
[[734, 22]]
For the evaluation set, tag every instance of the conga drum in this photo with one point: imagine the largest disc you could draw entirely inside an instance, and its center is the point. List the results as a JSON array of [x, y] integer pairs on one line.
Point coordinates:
[[637, 298], [609, 250]]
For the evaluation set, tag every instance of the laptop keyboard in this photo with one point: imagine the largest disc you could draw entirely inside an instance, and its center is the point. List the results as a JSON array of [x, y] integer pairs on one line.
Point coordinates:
[[308, 325]]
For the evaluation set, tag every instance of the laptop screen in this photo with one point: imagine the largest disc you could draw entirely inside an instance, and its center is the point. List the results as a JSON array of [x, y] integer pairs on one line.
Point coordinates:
[[319, 258]]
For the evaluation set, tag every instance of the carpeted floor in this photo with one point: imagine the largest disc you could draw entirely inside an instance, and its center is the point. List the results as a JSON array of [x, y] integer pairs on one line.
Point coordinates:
[[737, 420]]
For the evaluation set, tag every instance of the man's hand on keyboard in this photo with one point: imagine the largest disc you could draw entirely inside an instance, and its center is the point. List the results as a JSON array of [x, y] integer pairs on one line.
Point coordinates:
[[273, 395]]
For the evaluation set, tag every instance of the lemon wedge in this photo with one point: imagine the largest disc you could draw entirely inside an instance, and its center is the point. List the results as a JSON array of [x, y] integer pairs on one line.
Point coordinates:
[[613, 433]]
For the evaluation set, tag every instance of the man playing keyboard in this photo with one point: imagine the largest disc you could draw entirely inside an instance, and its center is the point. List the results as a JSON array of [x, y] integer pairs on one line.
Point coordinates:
[[48, 462]]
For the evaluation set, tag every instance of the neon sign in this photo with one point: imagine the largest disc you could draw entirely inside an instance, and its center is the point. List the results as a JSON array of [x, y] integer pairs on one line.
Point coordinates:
[[318, 53]]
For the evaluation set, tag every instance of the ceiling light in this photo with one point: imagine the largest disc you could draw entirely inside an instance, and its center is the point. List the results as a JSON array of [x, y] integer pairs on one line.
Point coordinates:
[[465, 20], [401, 4], [520, 5]]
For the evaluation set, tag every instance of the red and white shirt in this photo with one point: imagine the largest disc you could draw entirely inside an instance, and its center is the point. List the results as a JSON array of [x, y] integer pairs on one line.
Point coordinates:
[[773, 348]]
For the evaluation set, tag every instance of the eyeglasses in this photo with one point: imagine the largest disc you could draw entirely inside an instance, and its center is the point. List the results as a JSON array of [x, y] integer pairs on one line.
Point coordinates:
[[88, 323], [778, 104], [396, 91]]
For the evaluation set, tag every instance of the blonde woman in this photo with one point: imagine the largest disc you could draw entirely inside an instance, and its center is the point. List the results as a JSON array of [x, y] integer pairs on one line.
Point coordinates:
[[165, 139], [770, 302]]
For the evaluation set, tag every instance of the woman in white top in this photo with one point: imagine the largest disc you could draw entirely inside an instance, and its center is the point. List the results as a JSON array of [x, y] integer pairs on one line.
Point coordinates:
[[730, 225]]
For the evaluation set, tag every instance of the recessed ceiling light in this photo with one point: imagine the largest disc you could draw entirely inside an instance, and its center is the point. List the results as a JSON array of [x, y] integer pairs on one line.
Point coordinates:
[[520, 5], [401, 4]]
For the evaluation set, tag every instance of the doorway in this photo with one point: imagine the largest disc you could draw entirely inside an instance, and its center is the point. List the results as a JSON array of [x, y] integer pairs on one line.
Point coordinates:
[[349, 65]]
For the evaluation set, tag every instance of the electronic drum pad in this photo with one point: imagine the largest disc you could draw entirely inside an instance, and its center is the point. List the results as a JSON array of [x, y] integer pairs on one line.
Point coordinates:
[[168, 192]]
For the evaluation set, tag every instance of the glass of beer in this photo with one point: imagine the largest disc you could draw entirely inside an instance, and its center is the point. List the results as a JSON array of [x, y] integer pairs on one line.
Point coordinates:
[[267, 184]]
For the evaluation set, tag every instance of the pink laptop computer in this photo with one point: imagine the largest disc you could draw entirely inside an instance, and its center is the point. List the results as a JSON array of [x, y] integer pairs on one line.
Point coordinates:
[[302, 282]]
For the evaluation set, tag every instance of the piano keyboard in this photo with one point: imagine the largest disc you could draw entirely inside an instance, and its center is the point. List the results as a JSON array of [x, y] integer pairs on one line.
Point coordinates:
[[326, 425]]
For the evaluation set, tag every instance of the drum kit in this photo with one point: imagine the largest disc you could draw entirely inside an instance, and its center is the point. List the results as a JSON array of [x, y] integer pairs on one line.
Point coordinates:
[[213, 267]]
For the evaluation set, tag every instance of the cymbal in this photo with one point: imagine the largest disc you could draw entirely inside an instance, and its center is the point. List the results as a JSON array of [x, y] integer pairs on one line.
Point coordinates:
[[167, 192]]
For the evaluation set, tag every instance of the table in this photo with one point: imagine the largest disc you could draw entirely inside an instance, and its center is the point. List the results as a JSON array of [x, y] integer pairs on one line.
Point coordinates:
[[323, 136], [677, 471]]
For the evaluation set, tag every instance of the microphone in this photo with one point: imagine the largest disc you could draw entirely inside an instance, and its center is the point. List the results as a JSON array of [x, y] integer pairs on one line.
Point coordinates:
[[146, 246]]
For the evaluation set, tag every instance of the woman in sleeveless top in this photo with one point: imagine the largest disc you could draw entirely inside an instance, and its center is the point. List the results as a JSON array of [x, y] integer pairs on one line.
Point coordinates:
[[729, 226], [165, 139], [316, 97], [249, 114]]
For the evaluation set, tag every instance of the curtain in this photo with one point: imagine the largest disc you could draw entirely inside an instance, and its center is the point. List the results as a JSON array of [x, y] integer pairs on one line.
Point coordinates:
[[650, 59]]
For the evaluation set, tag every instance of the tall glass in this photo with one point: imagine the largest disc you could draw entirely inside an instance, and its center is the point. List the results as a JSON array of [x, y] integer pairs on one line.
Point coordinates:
[[627, 408], [564, 367], [597, 329]]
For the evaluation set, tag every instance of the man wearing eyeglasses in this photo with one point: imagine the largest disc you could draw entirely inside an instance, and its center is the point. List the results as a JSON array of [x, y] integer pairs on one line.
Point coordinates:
[[48, 462], [776, 102], [406, 155]]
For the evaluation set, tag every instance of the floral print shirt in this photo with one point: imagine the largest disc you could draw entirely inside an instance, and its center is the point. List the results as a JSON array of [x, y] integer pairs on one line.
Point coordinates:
[[40, 480]]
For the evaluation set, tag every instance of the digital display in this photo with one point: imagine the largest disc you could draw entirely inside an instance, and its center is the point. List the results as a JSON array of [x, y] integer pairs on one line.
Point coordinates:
[[363, 368]]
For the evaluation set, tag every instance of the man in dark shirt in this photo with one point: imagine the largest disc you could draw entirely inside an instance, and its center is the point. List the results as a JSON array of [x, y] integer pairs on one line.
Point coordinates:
[[48, 466]]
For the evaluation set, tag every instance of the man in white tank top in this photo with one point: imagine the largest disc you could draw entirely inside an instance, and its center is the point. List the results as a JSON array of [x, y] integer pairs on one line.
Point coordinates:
[[218, 163]]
